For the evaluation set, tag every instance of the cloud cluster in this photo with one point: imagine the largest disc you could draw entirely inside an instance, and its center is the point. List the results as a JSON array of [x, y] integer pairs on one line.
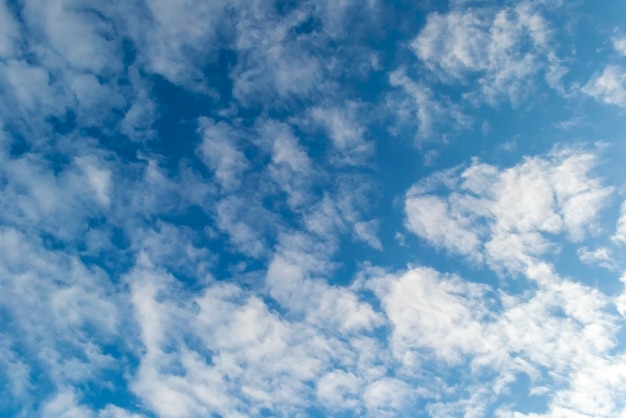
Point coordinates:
[[503, 48], [609, 85], [509, 217], [466, 57], [197, 205]]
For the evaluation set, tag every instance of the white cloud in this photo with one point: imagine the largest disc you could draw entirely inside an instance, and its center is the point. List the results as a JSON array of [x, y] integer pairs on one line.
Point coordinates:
[[9, 34], [289, 283], [620, 45], [275, 64], [339, 390], [138, 119], [70, 52], [509, 215], [61, 311], [488, 43], [148, 189], [220, 153], [172, 40], [620, 231], [99, 179], [227, 350], [245, 223], [175, 248], [290, 55], [325, 219], [63, 58], [93, 96], [287, 150], [620, 300], [387, 396], [561, 335], [30, 85], [608, 87], [368, 233], [65, 405], [346, 133], [112, 411], [424, 308], [55, 202], [417, 103], [282, 70], [291, 169], [601, 256], [454, 42], [245, 356], [431, 218], [77, 34], [278, 337]]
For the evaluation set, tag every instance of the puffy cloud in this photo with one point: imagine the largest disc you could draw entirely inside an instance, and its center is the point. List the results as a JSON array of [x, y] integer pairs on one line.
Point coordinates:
[[489, 43], [195, 271], [620, 45], [608, 87], [59, 312], [561, 335], [338, 390], [65, 405], [387, 396], [289, 284], [424, 308], [430, 218], [225, 351], [508, 215], [345, 132]]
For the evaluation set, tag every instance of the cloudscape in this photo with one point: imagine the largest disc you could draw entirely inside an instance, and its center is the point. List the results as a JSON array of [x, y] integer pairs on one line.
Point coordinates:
[[316, 208]]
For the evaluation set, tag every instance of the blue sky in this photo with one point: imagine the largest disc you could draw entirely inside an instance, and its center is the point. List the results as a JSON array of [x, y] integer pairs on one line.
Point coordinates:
[[315, 208]]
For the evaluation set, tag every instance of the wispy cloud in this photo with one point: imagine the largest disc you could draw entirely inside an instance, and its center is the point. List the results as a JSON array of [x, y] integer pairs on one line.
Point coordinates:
[[345, 132], [601, 256], [620, 230], [418, 108]]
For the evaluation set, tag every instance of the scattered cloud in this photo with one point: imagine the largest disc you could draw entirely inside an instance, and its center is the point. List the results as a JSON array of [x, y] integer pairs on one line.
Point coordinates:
[[620, 231], [608, 87], [508, 216], [221, 154], [187, 192], [601, 256], [345, 132], [418, 109], [504, 48], [620, 45], [368, 233]]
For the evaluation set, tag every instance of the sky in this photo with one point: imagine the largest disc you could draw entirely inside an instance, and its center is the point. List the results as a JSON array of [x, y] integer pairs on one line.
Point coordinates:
[[316, 208]]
